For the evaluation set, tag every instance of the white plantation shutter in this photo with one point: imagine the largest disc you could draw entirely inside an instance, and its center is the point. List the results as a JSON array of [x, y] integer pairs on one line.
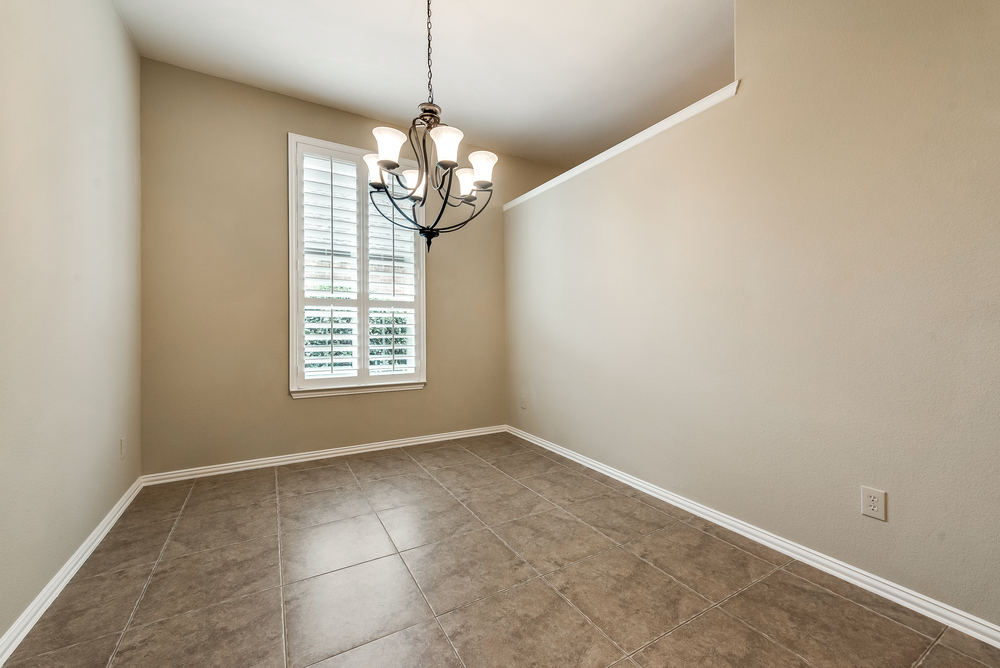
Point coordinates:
[[330, 341], [356, 288], [391, 256], [392, 341]]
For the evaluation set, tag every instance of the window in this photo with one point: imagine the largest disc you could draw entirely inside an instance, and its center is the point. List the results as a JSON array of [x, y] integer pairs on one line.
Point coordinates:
[[356, 296]]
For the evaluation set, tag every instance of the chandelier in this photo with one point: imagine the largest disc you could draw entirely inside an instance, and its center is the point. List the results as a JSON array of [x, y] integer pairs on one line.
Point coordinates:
[[400, 194]]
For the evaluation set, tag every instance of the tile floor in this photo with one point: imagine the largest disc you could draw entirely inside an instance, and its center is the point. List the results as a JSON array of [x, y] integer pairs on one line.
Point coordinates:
[[485, 551]]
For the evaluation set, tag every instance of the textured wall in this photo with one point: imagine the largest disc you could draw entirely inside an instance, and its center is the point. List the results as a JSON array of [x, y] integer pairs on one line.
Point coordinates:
[[69, 282], [215, 286], [795, 293]]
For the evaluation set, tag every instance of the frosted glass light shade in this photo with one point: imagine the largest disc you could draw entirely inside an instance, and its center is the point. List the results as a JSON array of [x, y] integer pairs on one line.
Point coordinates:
[[374, 174], [446, 141], [466, 181], [389, 141], [411, 176], [482, 163]]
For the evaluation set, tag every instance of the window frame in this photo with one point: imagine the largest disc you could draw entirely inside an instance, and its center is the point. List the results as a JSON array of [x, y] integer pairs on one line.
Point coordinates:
[[298, 386]]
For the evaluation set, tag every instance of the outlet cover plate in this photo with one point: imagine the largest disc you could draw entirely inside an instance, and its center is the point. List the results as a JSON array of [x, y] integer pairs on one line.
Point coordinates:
[[873, 503]]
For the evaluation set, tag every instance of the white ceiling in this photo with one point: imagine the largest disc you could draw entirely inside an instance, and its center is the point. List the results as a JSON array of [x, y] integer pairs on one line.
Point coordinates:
[[552, 80]]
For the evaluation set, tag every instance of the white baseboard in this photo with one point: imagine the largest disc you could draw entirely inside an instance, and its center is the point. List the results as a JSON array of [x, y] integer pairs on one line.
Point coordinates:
[[15, 634], [942, 612], [282, 460]]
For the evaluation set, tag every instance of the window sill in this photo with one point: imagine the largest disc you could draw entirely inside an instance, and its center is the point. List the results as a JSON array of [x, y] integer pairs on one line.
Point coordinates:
[[355, 389]]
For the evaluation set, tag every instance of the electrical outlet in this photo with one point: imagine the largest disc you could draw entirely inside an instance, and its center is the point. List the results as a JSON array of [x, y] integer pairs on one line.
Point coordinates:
[[873, 503], [524, 401], [122, 453]]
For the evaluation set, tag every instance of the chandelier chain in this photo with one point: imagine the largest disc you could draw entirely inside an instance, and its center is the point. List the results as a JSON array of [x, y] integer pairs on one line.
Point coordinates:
[[430, 82]]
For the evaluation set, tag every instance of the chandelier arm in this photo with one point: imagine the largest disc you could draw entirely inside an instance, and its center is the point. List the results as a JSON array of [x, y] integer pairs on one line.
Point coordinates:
[[421, 158], [468, 220], [433, 177], [451, 173], [388, 191], [413, 223]]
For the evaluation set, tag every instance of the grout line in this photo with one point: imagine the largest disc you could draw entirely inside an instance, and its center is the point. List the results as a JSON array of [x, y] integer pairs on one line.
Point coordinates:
[[540, 576], [774, 640], [927, 651], [281, 575], [149, 579], [861, 605]]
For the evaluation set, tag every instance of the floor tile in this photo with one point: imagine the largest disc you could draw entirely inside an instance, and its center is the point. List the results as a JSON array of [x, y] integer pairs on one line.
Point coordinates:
[[632, 602], [522, 442], [972, 647], [498, 438], [235, 525], [242, 632], [650, 500], [504, 502], [333, 613], [431, 520], [422, 646], [92, 654], [402, 490], [461, 569], [85, 609], [626, 663], [884, 606], [552, 539], [494, 448], [944, 657], [209, 481], [374, 468], [215, 497], [526, 464], [424, 447], [204, 578], [613, 483], [442, 457], [153, 508], [311, 464], [619, 517], [823, 628], [462, 478], [327, 547], [314, 480], [563, 487], [717, 640], [125, 547], [712, 567], [304, 510], [529, 625], [742, 542]]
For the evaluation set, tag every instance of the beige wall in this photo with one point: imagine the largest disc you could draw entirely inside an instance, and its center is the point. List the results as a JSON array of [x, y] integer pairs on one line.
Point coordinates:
[[69, 282], [795, 293], [215, 286]]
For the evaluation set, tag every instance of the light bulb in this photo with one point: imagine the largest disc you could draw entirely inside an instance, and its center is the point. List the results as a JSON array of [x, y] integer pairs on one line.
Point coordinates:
[[466, 180], [374, 174], [446, 140], [411, 176], [482, 162], [389, 141]]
